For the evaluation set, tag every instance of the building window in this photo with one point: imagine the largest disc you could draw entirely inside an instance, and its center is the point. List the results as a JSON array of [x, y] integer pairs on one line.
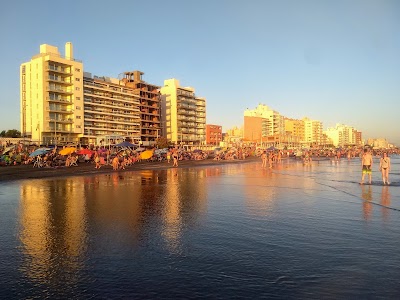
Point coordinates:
[[77, 89], [77, 70], [78, 117], [78, 107], [77, 79], [78, 98], [78, 126]]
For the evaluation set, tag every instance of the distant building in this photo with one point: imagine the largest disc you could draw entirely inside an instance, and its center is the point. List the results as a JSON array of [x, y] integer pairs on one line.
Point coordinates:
[[378, 143], [213, 134], [233, 135], [184, 114], [343, 135], [312, 131], [295, 127]]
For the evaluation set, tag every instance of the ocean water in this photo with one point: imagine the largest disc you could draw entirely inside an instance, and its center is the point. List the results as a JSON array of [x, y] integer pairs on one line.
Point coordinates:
[[229, 231]]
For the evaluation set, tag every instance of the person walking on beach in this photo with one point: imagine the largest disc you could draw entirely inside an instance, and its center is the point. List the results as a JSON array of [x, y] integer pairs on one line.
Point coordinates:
[[264, 159], [175, 158], [366, 163], [384, 167]]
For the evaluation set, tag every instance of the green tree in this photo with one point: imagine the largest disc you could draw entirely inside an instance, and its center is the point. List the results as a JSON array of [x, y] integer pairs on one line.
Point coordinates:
[[3, 133], [13, 133]]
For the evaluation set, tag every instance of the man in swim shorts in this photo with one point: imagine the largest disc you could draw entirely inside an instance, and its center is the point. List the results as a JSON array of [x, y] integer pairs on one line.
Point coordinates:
[[366, 163]]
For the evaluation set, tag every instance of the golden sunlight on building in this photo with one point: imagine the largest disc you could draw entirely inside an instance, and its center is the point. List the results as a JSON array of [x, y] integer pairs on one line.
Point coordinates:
[[184, 117]]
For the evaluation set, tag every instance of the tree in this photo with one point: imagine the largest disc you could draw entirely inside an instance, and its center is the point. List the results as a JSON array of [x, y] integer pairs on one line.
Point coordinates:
[[3, 133], [161, 143], [12, 133]]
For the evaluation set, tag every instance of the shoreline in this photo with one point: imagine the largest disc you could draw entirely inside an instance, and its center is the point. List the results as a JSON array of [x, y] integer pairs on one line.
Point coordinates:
[[22, 172]]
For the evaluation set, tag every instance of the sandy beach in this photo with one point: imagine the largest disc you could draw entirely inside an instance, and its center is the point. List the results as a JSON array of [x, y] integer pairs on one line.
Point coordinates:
[[19, 172]]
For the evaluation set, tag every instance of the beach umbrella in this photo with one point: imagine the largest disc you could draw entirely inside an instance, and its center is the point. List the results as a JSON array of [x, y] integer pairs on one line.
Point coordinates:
[[146, 154], [125, 144], [8, 149], [67, 151], [84, 151], [39, 151]]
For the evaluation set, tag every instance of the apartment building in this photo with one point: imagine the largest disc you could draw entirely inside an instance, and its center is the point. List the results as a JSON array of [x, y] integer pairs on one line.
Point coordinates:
[[62, 104], [312, 131], [110, 109], [262, 122], [342, 135], [184, 119], [295, 127], [150, 113], [51, 91], [213, 134]]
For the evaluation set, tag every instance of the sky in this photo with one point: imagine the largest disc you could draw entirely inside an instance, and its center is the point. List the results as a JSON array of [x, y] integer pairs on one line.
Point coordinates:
[[336, 61]]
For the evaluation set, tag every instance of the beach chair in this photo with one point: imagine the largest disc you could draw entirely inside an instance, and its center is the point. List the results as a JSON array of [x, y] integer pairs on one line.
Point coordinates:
[[38, 162]]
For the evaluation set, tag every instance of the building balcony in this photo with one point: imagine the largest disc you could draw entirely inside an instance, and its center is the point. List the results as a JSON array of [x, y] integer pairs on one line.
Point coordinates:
[[60, 80], [60, 110], [57, 89], [60, 120], [62, 100], [59, 69]]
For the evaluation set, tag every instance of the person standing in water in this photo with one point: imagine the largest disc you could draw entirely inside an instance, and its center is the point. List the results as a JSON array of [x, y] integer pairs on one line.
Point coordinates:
[[384, 167], [366, 163]]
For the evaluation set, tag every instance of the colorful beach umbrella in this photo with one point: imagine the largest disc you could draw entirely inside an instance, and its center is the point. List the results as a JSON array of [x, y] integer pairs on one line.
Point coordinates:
[[67, 151], [39, 151], [84, 152], [146, 154]]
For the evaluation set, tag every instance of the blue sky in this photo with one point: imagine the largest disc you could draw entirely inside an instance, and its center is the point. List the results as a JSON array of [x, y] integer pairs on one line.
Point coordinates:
[[334, 61]]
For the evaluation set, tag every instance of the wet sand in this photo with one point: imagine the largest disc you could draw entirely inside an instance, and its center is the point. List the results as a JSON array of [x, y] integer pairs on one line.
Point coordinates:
[[8, 173]]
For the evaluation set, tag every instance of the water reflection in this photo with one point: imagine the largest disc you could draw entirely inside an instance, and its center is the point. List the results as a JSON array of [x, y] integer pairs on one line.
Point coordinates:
[[52, 228], [366, 194], [385, 202], [60, 219]]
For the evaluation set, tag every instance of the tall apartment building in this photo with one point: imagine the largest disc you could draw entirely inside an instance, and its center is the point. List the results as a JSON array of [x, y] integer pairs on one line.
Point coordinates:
[[51, 89], [295, 127], [342, 135], [213, 134], [262, 122], [150, 114], [184, 114], [62, 104], [110, 109], [312, 131]]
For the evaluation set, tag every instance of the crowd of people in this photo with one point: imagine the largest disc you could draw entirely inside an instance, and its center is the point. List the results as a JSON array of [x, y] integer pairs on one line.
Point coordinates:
[[121, 158]]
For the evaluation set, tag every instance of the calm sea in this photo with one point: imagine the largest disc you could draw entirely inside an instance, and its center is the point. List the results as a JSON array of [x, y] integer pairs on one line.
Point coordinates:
[[232, 231]]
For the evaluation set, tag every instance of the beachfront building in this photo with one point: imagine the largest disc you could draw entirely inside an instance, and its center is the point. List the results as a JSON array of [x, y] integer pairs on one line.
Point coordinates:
[[150, 114], [262, 122], [111, 109], [51, 91], [184, 114], [343, 135], [312, 132], [61, 104], [234, 135], [295, 127], [213, 134]]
